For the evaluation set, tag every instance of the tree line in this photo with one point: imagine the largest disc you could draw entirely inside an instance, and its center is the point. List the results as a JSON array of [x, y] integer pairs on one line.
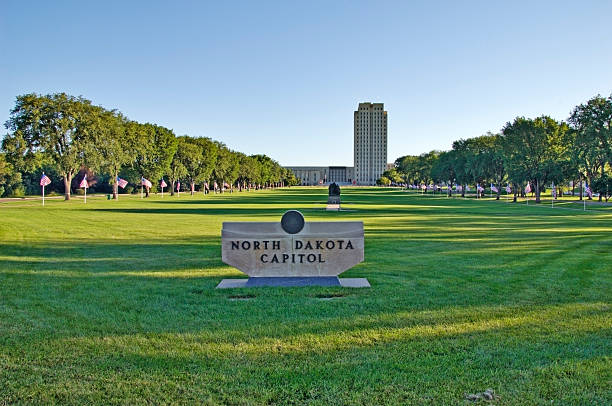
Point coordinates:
[[539, 152], [65, 136]]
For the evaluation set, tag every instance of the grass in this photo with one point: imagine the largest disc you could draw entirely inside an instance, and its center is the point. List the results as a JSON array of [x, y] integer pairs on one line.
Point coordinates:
[[115, 302]]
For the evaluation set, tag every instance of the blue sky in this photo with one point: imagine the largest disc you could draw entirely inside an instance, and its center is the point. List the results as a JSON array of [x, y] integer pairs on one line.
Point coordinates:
[[283, 78]]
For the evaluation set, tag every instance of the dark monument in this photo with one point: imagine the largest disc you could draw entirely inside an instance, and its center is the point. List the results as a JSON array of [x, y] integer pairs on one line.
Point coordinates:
[[333, 201]]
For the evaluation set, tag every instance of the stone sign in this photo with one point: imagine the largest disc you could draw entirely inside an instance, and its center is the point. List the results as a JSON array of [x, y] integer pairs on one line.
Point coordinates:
[[292, 252]]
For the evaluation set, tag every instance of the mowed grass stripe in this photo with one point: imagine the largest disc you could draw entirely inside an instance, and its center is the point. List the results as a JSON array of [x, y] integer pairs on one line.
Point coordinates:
[[114, 302]]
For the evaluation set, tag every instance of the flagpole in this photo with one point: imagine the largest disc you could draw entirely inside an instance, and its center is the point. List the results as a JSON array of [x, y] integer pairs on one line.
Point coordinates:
[[43, 193], [85, 201]]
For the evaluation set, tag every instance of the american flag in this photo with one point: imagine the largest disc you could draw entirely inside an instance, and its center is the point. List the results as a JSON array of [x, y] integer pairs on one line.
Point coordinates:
[[192, 187], [508, 189], [121, 182], [84, 183], [145, 182], [206, 186], [459, 188], [588, 191], [163, 183], [178, 186], [225, 185], [528, 188], [467, 188], [553, 191], [479, 188], [215, 185], [44, 180], [494, 189]]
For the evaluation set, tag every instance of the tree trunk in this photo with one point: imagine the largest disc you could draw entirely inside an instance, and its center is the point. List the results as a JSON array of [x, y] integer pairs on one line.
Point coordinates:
[[537, 191], [146, 192], [67, 182], [172, 183], [603, 173], [192, 184], [115, 189]]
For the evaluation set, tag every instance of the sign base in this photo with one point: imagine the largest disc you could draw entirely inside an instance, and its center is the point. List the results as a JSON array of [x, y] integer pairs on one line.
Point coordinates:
[[256, 282]]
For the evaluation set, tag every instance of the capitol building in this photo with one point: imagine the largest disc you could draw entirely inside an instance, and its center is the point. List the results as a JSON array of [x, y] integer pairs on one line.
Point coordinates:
[[369, 152]]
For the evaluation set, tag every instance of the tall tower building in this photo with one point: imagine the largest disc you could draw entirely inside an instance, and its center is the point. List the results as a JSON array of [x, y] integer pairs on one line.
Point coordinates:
[[370, 142]]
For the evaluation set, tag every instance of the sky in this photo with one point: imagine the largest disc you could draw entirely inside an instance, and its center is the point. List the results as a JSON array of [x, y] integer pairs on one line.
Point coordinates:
[[283, 78]]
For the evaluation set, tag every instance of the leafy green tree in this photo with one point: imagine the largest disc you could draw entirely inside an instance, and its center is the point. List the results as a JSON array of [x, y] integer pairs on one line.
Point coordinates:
[[443, 169], [10, 180], [191, 156], [58, 125], [209, 157], [533, 149], [154, 151], [592, 149], [289, 178], [226, 170], [383, 181], [603, 186], [112, 146]]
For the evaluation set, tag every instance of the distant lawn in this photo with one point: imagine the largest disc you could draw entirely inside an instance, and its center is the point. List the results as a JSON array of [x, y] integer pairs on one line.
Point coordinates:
[[115, 302]]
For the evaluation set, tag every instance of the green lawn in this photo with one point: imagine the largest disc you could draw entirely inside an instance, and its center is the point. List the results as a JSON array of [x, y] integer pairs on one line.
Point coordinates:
[[115, 302]]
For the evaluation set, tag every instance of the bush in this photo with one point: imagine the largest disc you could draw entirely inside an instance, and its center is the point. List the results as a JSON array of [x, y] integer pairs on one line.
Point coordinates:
[[18, 191]]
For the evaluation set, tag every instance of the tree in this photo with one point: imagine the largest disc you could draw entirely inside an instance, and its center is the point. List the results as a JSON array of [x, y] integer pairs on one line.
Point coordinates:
[[592, 148], [58, 125], [383, 181], [177, 169], [10, 180], [191, 156], [209, 157], [226, 169], [154, 151], [112, 146], [444, 168], [533, 149]]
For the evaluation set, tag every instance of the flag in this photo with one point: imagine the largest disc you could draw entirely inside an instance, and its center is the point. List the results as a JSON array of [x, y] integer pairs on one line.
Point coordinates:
[[178, 186], [121, 182], [494, 189], [479, 188], [467, 188], [145, 182], [205, 185], [192, 187], [44, 180], [528, 188], [163, 183], [459, 188], [508, 189], [215, 185], [588, 191], [84, 183], [225, 185], [553, 191]]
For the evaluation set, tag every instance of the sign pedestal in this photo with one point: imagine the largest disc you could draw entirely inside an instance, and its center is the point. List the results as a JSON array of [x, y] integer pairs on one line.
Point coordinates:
[[293, 282]]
